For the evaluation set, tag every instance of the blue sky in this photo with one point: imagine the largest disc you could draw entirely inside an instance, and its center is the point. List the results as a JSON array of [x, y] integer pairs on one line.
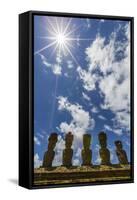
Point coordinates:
[[81, 83]]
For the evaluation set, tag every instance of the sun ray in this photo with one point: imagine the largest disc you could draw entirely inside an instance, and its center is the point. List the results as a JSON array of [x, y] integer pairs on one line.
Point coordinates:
[[61, 37], [72, 56], [72, 31], [53, 28], [54, 103], [61, 25], [80, 39], [53, 51], [68, 24], [46, 47], [57, 25]]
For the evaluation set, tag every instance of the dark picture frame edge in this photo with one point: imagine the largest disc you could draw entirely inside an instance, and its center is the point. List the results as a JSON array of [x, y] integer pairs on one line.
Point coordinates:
[[26, 94]]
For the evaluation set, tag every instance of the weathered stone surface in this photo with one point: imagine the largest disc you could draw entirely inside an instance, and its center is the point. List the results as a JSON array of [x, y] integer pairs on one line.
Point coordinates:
[[82, 174], [68, 152], [121, 154], [104, 152], [86, 152], [50, 153]]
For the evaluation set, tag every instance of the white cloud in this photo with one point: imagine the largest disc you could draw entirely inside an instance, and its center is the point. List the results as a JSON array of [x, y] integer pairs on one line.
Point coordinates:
[[87, 78], [58, 58], [94, 110], [70, 64], [66, 74], [118, 131], [44, 61], [101, 117], [60, 146], [56, 68], [107, 127], [101, 56], [36, 140], [88, 23], [81, 120], [98, 160], [85, 96], [114, 130], [76, 160], [127, 143], [112, 155], [40, 135], [114, 81], [37, 161], [122, 119]]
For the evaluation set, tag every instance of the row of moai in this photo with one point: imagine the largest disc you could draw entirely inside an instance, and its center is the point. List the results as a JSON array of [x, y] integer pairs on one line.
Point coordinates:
[[86, 152]]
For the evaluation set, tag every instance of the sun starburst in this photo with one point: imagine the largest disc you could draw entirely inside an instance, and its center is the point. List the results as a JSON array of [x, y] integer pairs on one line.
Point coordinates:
[[61, 37]]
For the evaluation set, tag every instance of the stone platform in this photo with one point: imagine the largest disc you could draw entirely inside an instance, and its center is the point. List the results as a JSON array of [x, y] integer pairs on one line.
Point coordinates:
[[81, 174]]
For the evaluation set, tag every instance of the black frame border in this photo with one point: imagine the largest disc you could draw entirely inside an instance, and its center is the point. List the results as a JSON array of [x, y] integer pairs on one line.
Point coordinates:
[[31, 15]]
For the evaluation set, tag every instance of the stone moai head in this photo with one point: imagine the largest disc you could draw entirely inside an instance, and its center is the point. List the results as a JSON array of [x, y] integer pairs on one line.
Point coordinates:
[[68, 140], [118, 144], [121, 154], [52, 140], [86, 141], [102, 139]]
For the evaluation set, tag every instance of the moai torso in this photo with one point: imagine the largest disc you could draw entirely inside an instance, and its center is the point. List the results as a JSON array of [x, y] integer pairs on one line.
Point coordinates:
[[86, 152], [121, 154], [50, 153], [104, 152], [68, 152]]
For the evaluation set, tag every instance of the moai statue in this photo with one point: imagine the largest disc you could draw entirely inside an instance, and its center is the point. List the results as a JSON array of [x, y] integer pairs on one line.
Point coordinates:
[[121, 154], [50, 153], [104, 152], [68, 152], [86, 152]]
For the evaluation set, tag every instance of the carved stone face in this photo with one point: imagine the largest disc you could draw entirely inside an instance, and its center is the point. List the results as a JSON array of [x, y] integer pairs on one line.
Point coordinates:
[[69, 140], [118, 144], [52, 141], [86, 141], [102, 139]]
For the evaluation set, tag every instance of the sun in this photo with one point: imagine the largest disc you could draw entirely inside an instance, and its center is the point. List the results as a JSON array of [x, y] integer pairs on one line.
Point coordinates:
[[61, 39]]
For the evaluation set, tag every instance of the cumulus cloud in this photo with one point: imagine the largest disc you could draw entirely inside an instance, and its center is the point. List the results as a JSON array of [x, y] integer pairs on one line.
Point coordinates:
[[60, 146], [56, 68], [70, 64], [77, 158], [107, 127], [100, 55], [101, 117], [37, 161], [111, 61], [114, 130], [80, 122], [87, 78], [44, 61], [41, 136], [85, 96], [36, 140], [96, 151], [94, 110]]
